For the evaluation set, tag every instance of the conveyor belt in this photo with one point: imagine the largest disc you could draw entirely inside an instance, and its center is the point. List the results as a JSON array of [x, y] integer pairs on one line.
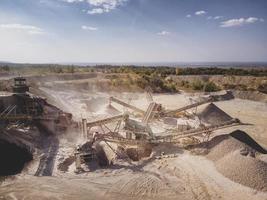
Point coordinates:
[[27, 117], [188, 107], [105, 121], [172, 138], [198, 131], [152, 109], [126, 105]]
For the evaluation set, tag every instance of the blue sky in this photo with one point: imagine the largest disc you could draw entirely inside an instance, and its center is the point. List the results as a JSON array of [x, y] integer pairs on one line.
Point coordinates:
[[133, 30]]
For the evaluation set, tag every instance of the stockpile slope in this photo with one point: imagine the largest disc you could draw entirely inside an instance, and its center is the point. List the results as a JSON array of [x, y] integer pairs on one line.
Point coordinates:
[[235, 156], [213, 115]]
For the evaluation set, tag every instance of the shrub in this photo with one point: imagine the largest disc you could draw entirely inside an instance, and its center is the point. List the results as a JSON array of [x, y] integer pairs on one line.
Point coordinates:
[[263, 88], [211, 87], [197, 85], [185, 84]]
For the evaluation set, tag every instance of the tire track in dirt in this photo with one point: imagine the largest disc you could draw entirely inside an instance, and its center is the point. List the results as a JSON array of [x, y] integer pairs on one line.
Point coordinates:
[[189, 179], [197, 181], [140, 186]]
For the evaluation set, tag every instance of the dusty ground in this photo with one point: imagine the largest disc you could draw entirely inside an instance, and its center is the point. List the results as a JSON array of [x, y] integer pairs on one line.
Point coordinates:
[[183, 177], [249, 112], [186, 176]]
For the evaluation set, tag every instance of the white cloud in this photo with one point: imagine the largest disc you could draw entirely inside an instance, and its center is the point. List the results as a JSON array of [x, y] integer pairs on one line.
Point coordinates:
[[89, 28], [100, 6], [96, 11], [188, 16], [104, 6], [200, 12], [163, 33], [215, 18], [239, 22], [112, 3], [251, 20], [32, 30], [218, 17], [72, 1]]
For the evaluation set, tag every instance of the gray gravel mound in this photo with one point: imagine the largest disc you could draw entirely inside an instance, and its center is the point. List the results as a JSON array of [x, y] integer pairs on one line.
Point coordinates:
[[214, 115], [235, 157], [222, 145], [245, 170]]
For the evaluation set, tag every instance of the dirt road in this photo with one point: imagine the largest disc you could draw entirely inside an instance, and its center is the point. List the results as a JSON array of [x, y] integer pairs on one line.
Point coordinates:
[[183, 177]]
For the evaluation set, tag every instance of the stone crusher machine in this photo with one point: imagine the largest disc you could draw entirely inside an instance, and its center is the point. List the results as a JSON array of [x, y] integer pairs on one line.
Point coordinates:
[[86, 152], [123, 126], [172, 136], [118, 129], [157, 111], [139, 133], [24, 107]]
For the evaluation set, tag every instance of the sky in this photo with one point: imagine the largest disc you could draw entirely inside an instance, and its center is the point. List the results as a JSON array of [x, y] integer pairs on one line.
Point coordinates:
[[108, 31]]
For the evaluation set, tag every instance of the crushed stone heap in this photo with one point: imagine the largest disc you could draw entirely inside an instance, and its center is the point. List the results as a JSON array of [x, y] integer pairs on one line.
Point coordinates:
[[235, 156], [213, 115]]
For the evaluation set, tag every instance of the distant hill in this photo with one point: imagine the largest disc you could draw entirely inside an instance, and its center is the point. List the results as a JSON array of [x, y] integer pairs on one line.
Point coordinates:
[[5, 62], [149, 64]]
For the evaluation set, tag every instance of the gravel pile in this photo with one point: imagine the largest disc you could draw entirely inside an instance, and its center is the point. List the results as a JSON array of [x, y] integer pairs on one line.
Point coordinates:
[[213, 115], [246, 139], [245, 170], [235, 157], [222, 145]]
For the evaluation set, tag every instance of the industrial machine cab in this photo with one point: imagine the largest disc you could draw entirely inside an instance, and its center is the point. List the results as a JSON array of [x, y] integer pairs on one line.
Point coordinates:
[[20, 85]]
